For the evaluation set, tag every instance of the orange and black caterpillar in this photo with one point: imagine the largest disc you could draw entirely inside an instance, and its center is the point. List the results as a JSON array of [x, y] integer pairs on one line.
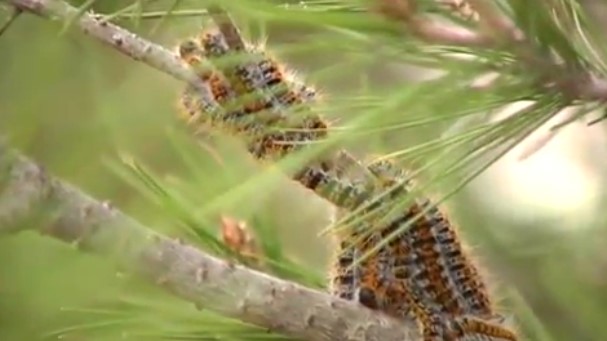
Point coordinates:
[[257, 101], [422, 273], [269, 122], [427, 263]]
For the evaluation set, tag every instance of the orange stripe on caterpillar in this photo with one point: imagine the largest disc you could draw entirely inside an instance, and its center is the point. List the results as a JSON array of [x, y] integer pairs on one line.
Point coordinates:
[[192, 53]]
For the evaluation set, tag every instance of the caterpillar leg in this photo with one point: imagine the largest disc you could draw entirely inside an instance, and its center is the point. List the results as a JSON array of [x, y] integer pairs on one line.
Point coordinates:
[[437, 327], [476, 329]]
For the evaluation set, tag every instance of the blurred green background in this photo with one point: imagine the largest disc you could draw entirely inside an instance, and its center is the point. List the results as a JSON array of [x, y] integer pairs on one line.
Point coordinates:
[[76, 106]]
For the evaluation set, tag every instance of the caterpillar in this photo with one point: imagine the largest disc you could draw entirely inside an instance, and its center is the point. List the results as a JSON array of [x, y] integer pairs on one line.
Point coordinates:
[[422, 274], [430, 261], [267, 137]]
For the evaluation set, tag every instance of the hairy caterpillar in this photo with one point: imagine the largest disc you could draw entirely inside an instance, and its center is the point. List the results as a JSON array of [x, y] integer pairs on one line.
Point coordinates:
[[423, 273], [428, 259]]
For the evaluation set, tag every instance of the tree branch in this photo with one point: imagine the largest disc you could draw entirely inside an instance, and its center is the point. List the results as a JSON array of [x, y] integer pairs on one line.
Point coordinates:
[[428, 29], [123, 41], [495, 22], [64, 212], [496, 31]]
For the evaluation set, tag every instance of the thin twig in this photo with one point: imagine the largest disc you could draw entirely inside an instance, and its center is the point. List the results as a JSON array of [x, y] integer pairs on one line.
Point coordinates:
[[497, 32], [123, 41], [65, 213], [16, 13], [163, 14], [493, 21], [437, 32], [428, 29], [226, 27]]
